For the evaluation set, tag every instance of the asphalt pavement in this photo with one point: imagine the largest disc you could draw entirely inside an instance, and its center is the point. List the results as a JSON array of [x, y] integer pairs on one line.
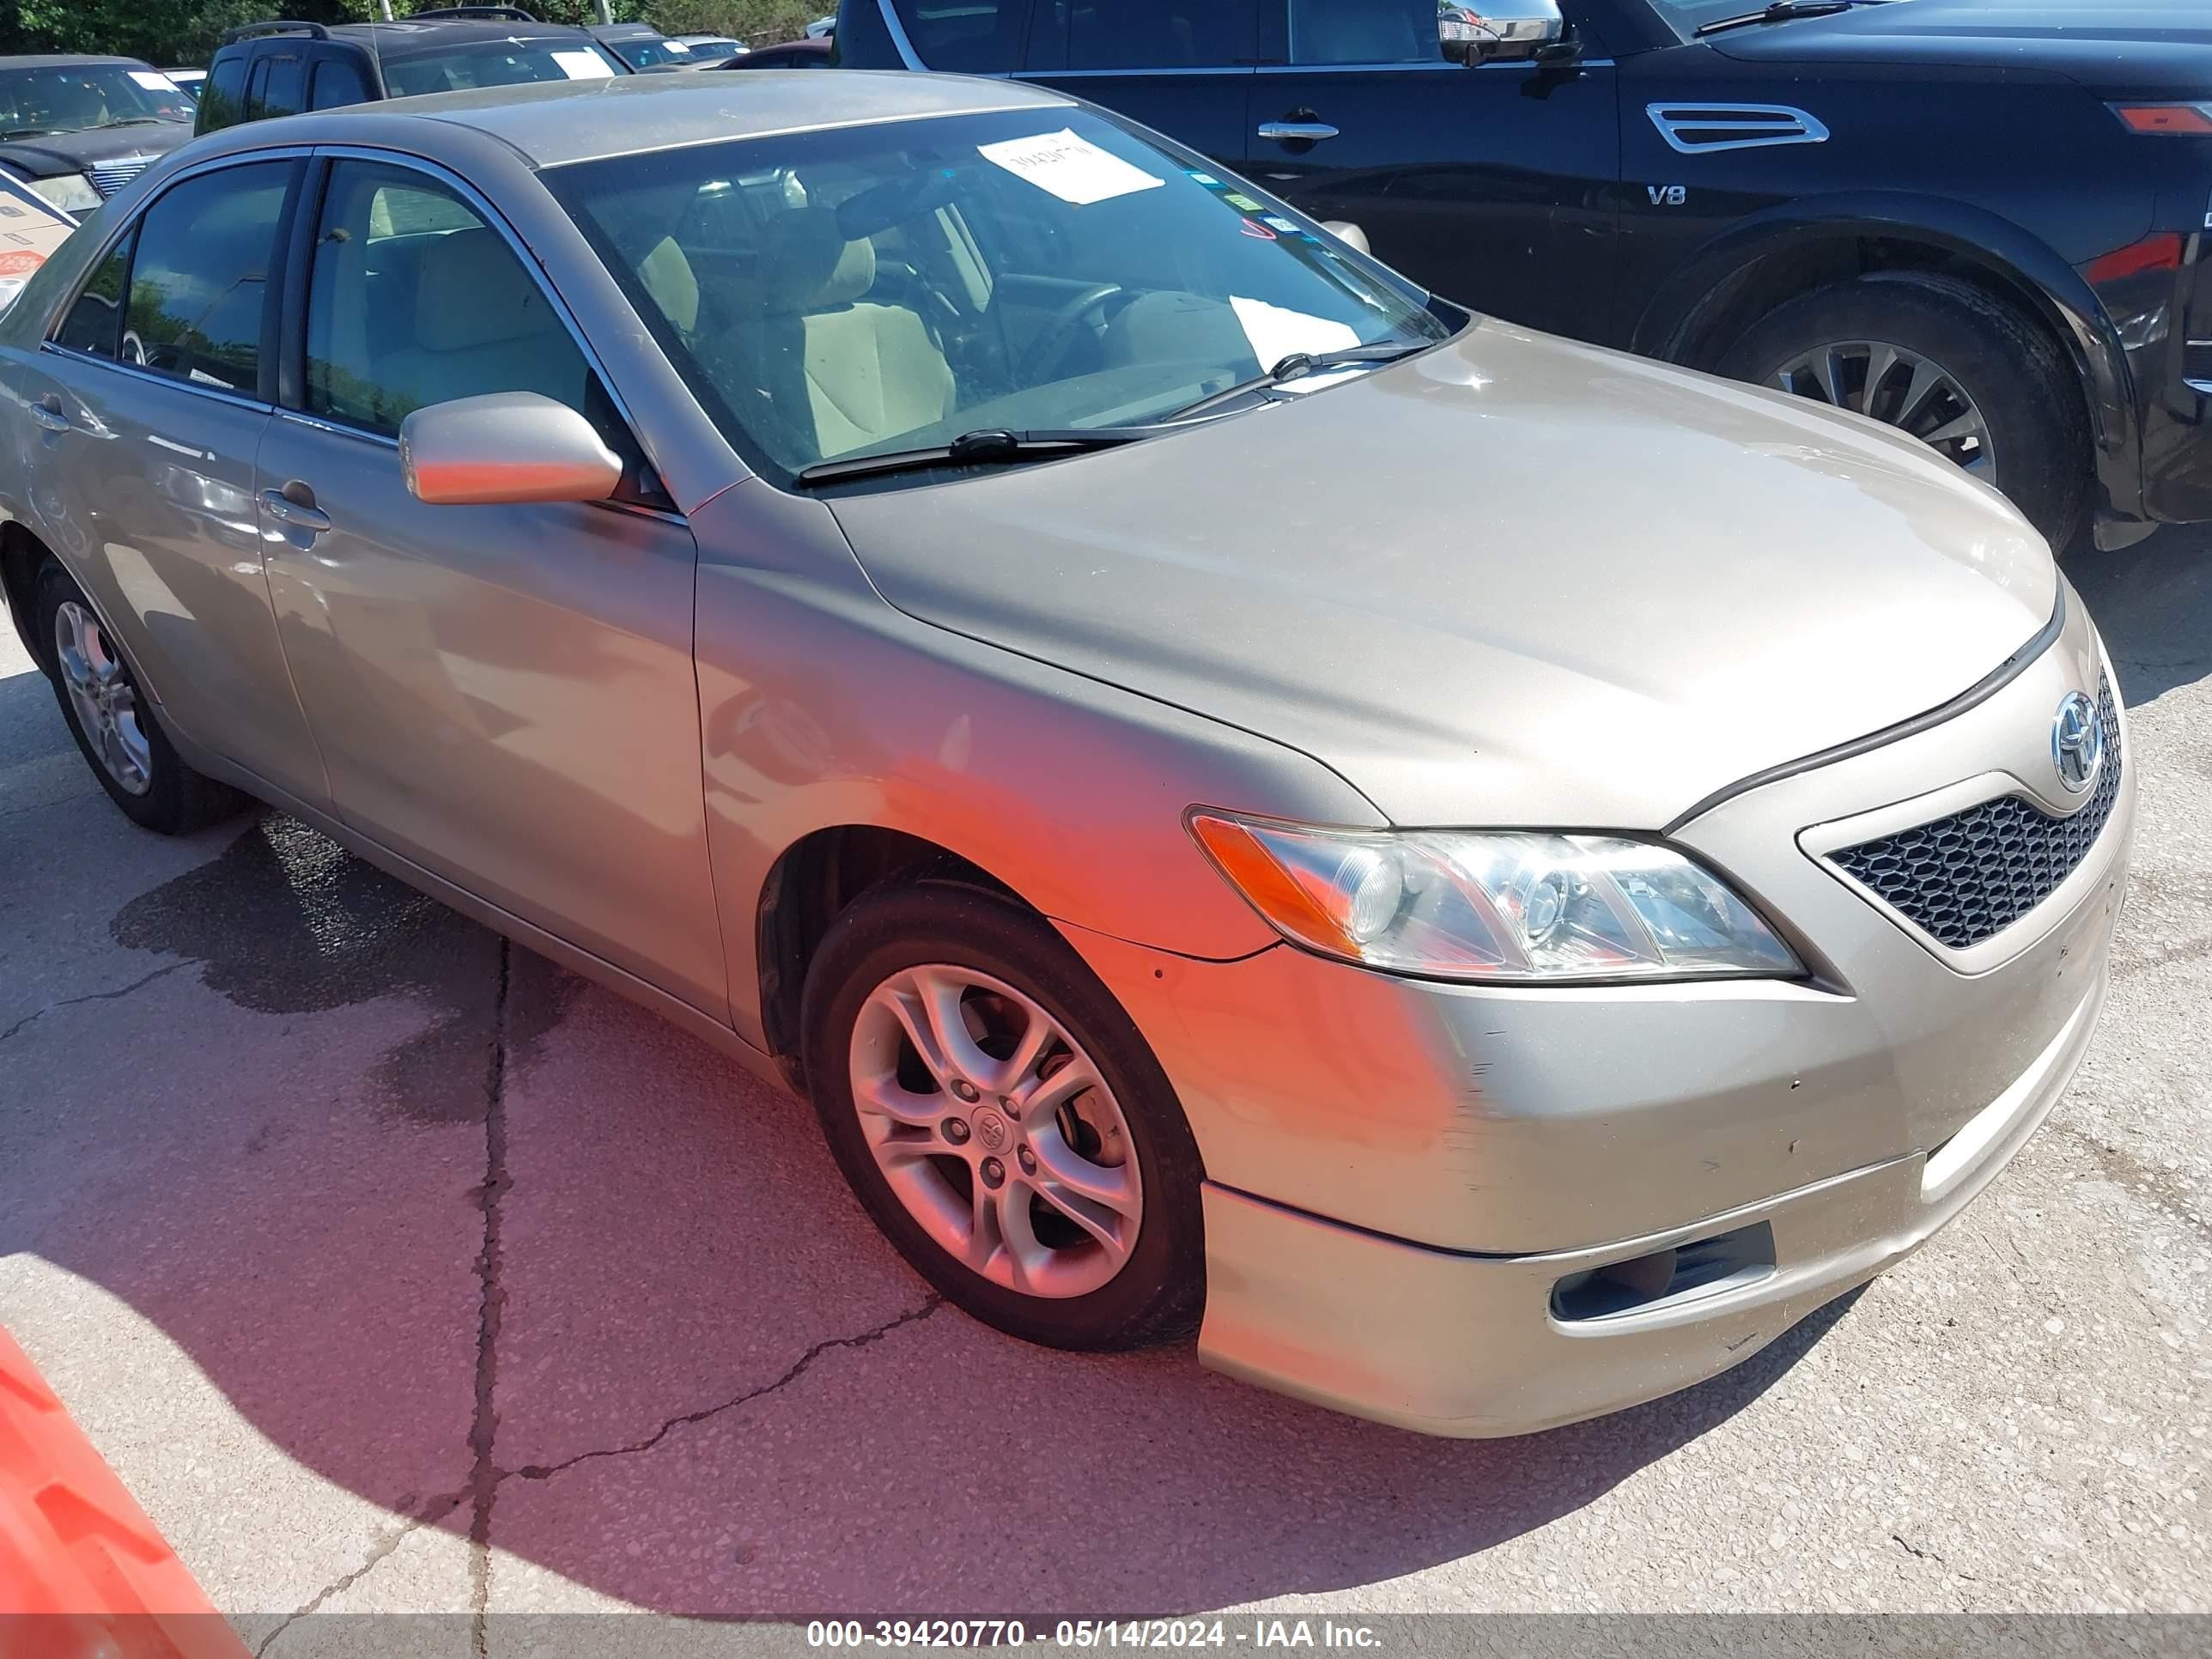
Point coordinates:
[[394, 1269]]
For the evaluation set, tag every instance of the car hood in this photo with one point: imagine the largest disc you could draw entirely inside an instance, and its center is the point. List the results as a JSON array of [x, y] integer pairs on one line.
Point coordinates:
[[49, 153], [1515, 581], [2138, 47]]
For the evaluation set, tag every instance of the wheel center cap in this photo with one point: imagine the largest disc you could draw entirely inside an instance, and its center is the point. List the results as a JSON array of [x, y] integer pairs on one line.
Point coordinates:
[[993, 1131]]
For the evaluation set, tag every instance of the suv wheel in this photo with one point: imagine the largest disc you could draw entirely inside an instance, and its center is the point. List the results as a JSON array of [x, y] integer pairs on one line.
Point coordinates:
[[1954, 366], [113, 722], [1001, 1119]]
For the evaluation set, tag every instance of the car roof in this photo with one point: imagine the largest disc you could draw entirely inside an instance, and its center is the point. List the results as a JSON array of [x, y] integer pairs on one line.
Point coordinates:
[[64, 60], [555, 123], [409, 39]]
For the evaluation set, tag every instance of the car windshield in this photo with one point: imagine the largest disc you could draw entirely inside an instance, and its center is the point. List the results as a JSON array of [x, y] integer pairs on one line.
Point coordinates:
[[74, 97], [867, 290], [648, 50], [495, 63]]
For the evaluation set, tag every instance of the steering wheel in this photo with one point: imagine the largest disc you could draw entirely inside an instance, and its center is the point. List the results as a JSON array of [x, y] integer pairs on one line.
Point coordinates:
[[1058, 332]]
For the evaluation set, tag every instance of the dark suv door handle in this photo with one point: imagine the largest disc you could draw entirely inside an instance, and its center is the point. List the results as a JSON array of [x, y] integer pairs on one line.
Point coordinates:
[[48, 413], [1296, 132], [294, 505]]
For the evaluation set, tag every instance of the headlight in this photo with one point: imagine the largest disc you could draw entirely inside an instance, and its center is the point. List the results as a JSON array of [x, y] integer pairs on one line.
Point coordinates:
[[72, 192], [1499, 907]]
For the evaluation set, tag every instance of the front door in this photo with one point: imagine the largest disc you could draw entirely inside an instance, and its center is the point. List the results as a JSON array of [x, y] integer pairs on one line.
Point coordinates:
[[503, 694], [1493, 184], [1181, 67]]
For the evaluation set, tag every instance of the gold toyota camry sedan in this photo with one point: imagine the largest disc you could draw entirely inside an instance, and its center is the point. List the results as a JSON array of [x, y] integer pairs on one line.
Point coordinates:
[[1485, 876]]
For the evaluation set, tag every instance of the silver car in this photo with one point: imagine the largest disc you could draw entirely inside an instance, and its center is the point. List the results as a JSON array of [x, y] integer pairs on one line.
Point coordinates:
[[1487, 876]]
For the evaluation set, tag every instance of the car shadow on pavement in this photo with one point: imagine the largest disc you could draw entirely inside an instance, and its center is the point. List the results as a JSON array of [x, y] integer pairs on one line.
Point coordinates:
[[506, 1255], [2151, 602]]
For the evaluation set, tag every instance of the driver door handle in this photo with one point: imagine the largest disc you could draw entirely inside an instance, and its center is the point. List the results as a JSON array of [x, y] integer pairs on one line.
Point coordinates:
[[294, 505], [1294, 132], [48, 413]]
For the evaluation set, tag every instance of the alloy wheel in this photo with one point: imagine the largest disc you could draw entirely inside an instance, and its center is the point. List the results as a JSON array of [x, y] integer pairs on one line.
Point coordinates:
[[1900, 388], [106, 702], [996, 1131]]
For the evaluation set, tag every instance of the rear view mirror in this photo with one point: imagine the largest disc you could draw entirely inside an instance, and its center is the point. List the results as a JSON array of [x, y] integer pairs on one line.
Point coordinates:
[[1501, 33], [1344, 231], [505, 448]]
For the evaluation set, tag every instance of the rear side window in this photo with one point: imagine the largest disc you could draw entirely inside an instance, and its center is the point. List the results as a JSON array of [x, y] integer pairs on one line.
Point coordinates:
[[970, 37], [276, 87], [337, 81], [222, 100], [199, 276], [95, 323]]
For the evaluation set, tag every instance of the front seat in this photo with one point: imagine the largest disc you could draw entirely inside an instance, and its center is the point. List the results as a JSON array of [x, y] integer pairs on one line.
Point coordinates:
[[837, 373]]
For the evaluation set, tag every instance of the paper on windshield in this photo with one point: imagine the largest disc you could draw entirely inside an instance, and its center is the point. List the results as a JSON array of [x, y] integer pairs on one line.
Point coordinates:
[[154, 81], [1277, 331], [676, 46], [582, 65], [1071, 167]]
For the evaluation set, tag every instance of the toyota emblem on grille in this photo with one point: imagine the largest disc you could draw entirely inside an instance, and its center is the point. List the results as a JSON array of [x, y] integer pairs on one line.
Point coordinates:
[[2077, 743]]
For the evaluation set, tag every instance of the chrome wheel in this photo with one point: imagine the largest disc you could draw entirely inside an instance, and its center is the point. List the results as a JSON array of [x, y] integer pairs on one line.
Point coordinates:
[[1900, 388], [106, 702], [996, 1131]]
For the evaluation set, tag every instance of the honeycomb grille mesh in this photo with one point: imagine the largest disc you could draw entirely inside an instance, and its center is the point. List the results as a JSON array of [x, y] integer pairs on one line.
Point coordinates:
[[1966, 877]]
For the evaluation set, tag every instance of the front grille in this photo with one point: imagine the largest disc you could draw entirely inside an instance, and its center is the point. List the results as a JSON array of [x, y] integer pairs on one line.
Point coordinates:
[[111, 176], [1966, 877]]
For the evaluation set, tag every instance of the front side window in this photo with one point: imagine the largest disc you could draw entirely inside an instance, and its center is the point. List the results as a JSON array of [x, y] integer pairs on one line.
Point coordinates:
[[966, 37], [1141, 34], [1352, 32], [199, 276], [834, 294], [45, 99], [94, 322], [497, 64]]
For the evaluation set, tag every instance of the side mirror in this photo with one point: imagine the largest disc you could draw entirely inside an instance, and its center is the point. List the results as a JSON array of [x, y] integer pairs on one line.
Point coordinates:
[[504, 448], [1506, 31], [1344, 231]]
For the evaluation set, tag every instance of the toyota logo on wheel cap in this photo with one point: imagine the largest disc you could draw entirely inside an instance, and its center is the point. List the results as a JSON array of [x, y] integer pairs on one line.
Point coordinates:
[[2077, 743]]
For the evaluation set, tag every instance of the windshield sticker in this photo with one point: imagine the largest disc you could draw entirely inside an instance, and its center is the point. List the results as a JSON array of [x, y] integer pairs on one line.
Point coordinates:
[[1071, 167], [582, 65], [1243, 201], [154, 81], [1201, 177], [1276, 332]]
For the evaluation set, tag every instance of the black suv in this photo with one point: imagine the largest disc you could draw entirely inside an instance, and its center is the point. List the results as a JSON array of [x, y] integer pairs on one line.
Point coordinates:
[[265, 69], [1987, 227]]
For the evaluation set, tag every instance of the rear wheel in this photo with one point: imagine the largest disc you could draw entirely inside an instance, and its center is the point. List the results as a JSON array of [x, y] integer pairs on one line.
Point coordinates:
[[1001, 1119], [113, 721], [1969, 374]]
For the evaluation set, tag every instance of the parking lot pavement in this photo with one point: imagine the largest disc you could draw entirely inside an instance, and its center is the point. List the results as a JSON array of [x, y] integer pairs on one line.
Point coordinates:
[[393, 1269]]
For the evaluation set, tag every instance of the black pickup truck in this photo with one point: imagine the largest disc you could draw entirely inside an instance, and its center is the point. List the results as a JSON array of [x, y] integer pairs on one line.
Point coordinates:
[[1989, 225]]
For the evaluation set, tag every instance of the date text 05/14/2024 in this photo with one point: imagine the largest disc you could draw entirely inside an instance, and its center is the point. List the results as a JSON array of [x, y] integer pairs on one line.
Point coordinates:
[[1251, 1632]]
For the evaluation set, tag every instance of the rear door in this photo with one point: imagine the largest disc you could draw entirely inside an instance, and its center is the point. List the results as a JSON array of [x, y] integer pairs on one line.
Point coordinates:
[[1493, 184], [149, 410]]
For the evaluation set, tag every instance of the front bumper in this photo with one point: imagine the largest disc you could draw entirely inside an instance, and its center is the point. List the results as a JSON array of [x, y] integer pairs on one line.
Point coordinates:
[[1402, 1173]]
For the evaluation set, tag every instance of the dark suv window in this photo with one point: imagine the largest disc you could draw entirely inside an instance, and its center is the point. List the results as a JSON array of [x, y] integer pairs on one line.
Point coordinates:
[[276, 87], [223, 101], [335, 82], [199, 276], [966, 37], [1139, 34], [1364, 32]]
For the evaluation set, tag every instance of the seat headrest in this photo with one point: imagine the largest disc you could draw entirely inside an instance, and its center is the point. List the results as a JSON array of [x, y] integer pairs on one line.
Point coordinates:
[[806, 264], [474, 292]]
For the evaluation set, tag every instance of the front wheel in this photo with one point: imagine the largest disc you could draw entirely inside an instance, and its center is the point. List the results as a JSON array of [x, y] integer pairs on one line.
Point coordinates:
[[1966, 373], [1001, 1119]]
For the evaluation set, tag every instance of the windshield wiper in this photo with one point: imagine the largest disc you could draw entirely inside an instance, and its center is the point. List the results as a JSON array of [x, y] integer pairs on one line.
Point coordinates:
[[992, 447], [14, 133], [1781, 12], [1299, 364], [138, 121]]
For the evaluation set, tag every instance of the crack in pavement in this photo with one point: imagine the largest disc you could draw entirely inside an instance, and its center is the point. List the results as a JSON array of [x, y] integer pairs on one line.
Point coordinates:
[[92, 996], [483, 1428], [798, 1368], [436, 1511]]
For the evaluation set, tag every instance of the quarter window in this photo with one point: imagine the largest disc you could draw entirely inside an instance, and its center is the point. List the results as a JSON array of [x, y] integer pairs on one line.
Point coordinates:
[[95, 323], [413, 298], [199, 276], [222, 100]]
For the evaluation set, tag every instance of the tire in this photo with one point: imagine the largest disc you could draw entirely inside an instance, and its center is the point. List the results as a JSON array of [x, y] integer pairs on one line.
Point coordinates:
[[173, 800], [2027, 390], [903, 934]]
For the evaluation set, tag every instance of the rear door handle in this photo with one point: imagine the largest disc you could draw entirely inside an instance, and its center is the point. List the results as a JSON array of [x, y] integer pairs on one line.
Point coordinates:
[[1295, 132], [48, 413], [294, 505]]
